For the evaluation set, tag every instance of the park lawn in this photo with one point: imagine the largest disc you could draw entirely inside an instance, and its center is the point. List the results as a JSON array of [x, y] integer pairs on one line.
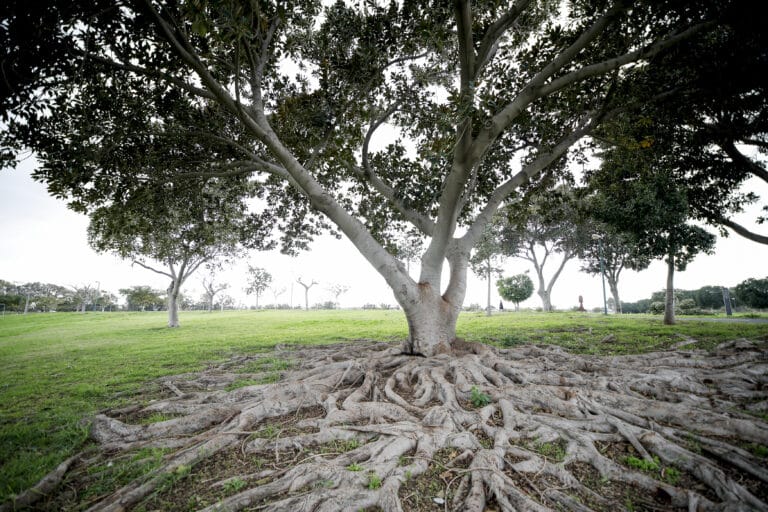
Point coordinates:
[[56, 370]]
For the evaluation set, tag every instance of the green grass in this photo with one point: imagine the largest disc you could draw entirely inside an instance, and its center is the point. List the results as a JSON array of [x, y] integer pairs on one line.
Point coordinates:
[[57, 369]]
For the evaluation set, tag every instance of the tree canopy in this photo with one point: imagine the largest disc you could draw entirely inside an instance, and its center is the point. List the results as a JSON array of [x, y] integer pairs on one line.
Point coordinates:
[[484, 101]]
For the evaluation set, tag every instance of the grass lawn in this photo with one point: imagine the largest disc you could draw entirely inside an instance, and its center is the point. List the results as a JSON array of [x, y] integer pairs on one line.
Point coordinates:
[[58, 369]]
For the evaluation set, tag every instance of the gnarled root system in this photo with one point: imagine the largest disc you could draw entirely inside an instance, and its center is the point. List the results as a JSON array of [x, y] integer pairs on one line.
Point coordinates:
[[361, 426]]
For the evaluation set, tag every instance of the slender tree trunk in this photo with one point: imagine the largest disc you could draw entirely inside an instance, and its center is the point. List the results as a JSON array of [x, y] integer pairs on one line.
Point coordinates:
[[488, 277], [210, 304], [257, 299], [173, 304], [613, 285], [26, 305], [669, 305]]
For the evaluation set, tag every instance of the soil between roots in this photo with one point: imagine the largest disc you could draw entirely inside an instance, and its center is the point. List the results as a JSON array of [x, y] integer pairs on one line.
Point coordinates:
[[361, 427]]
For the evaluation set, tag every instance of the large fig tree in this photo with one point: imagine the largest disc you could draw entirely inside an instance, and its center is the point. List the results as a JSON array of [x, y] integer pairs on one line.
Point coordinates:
[[481, 98], [365, 119]]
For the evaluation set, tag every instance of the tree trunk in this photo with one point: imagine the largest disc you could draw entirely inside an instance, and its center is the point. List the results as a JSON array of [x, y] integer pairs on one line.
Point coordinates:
[[210, 305], [26, 305], [431, 323], [173, 304], [669, 305], [306, 299], [488, 276], [546, 305], [615, 292], [257, 299]]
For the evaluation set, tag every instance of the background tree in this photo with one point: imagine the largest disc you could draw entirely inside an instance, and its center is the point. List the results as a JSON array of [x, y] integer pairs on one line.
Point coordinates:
[[753, 293], [337, 290], [105, 300], [83, 296], [139, 298], [172, 230], [211, 288], [487, 258], [612, 252], [306, 287], [515, 289], [258, 281], [408, 247], [277, 291], [710, 297], [550, 227], [640, 196]]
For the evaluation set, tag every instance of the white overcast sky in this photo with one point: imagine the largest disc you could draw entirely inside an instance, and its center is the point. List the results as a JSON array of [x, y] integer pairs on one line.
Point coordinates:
[[41, 240]]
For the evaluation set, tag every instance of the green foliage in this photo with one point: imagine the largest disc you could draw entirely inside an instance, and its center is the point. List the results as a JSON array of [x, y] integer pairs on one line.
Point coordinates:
[[258, 281], [671, 475], [516, 288], [753, 293], [141, 298], [355, 467], [374, 481], [643, 464], [478, 398], [234, 485], [688, 307], [555, 451], [759, 450]]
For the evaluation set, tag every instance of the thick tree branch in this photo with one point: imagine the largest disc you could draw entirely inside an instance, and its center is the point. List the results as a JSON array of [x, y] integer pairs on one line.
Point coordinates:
[[741, 230], [153, 73], [615, 63], [494, 33], [166, 274], [463, 15], [740, 158]]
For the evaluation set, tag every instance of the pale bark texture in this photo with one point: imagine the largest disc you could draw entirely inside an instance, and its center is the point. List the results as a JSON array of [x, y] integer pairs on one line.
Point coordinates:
[[173, 304], [613, 285], [669, 302]]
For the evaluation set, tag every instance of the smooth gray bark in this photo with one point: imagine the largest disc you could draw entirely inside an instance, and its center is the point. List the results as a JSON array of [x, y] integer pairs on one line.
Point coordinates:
[[669, 304]]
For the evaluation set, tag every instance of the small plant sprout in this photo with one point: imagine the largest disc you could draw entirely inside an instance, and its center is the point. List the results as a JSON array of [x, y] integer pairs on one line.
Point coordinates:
[[354, 467], [234, 485], [478, 398], [374, 481]]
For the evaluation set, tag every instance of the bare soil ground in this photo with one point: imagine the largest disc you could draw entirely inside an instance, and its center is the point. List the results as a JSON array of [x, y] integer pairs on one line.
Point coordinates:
[[362, 427]]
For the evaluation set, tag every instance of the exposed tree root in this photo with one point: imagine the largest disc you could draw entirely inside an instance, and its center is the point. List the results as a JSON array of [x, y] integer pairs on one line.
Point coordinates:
[[532, 428]]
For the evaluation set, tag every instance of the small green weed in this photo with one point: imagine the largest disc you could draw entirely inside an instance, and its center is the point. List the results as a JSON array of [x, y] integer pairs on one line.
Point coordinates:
[[234, 485], [478, 398], [354, 467], [671, 475], [156, 417], [268, 432], [555, 451], [374, 481], [759, 450], [241, 383], [642, 464]]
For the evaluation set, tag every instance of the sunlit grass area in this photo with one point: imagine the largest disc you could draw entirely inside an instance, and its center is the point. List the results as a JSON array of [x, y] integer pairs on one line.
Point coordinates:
[[56, 370]]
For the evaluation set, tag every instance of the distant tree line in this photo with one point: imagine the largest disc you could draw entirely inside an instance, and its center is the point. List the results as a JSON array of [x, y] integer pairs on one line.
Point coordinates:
[[749, 294], [45, 297]]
